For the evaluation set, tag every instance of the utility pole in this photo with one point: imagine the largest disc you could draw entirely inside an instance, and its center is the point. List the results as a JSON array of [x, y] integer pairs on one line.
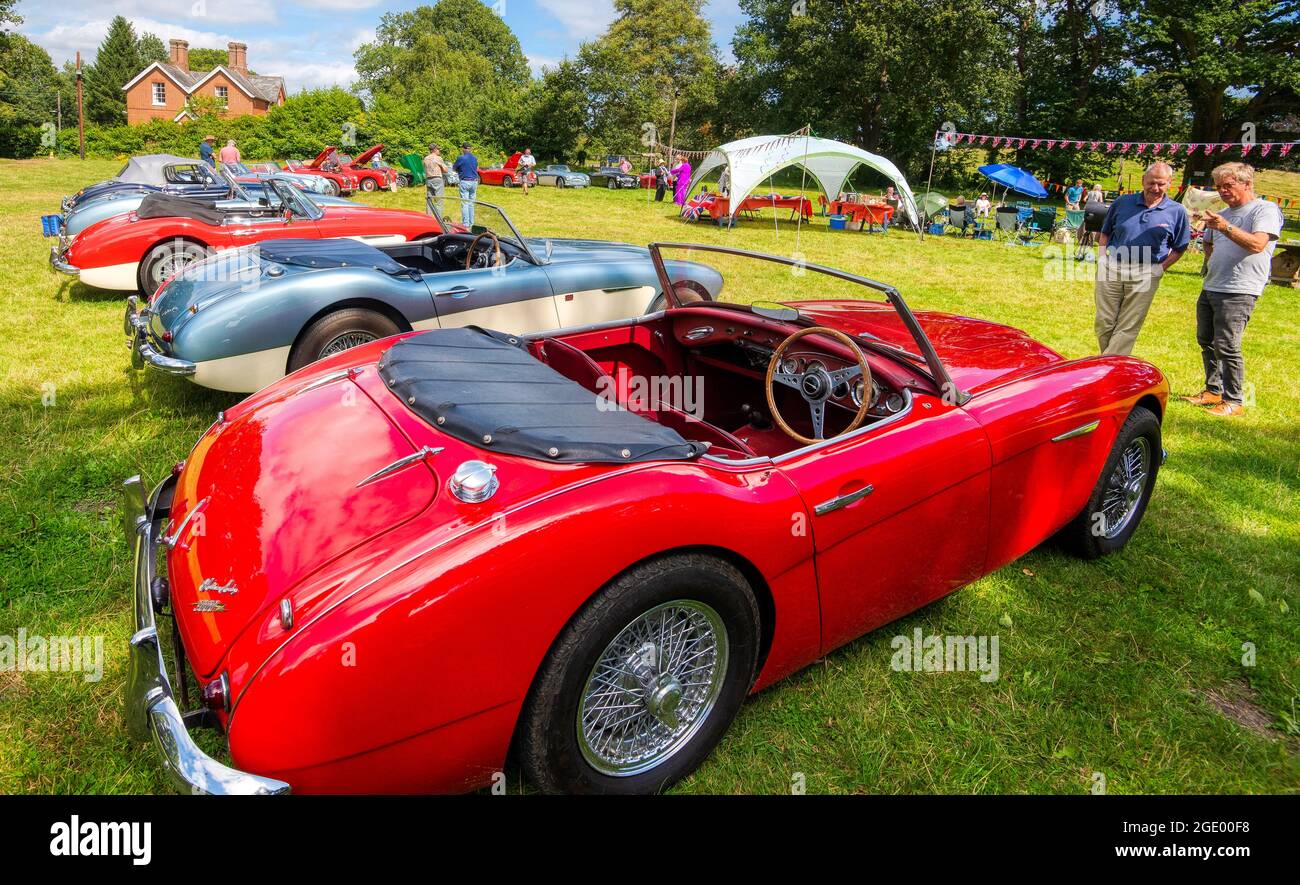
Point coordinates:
[[672, 130], [81, 114]]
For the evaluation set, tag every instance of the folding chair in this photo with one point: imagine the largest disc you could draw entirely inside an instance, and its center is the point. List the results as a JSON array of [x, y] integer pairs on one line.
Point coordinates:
[[959, 218], [1008, 223], [1040, 226]]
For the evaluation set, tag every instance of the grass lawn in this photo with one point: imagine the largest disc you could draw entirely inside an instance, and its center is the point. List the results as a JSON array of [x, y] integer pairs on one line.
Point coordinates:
[[1130, 667]]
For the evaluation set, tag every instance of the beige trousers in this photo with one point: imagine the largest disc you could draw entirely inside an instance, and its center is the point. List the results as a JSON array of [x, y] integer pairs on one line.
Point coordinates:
[[1123, 294]]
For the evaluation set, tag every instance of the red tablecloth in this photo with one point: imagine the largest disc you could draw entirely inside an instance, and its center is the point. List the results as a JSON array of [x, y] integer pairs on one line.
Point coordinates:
[[722, 205], [871, 213]]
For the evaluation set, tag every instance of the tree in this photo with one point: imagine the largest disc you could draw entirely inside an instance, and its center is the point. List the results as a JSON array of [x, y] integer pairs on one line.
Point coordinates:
[[654, 51], [453, 69], [29, 89], [116, 62], [8, 16], [149, 49], [558, 113], [1236, 62]]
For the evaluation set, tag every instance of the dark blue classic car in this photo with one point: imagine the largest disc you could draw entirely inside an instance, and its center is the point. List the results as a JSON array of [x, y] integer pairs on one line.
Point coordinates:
[[155, 172], [612, 177], [245, 317]]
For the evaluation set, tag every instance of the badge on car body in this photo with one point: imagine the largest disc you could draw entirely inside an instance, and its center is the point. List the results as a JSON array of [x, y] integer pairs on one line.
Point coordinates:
[[210, 585], [209, 605]]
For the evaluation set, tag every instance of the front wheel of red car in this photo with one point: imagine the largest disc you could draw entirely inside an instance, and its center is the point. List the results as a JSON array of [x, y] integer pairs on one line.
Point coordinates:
[[368, 184], [507, 181], [644, 681], [1119, 500], [338, 331]]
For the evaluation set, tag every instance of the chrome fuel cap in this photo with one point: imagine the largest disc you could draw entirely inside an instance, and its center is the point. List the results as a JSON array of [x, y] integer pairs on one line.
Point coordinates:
[[474, 481]]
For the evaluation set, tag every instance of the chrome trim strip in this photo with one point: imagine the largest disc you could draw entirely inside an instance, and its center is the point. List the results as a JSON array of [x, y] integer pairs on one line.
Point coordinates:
[[426, 452], [1078, 431], [842, 501], [150, 706], [170, 540]]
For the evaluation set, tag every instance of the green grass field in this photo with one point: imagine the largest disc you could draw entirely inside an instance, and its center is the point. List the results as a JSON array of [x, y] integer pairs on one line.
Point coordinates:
[[1130, 668]]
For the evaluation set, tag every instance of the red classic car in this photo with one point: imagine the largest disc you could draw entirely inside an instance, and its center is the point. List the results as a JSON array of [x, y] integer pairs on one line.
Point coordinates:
[[143, 249], [326, 164], [508, 174], [369, 177], [395, 567]]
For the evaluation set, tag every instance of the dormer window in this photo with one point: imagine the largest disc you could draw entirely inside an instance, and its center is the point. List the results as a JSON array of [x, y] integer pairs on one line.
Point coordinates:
[[223, 95], [159, 94]]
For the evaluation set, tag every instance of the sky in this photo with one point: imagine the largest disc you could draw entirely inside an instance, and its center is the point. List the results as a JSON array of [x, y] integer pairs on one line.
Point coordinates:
[[311, 42]]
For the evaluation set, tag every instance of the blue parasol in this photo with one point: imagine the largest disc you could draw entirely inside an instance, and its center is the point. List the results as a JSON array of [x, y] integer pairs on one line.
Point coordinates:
[[1014, 178]]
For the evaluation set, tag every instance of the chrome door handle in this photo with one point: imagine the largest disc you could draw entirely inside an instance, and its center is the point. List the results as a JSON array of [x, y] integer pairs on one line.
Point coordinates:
[[842, 501], [457, 292]]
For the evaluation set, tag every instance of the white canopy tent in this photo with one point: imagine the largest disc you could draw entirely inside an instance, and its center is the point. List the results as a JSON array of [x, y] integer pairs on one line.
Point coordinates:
[[752, 160]]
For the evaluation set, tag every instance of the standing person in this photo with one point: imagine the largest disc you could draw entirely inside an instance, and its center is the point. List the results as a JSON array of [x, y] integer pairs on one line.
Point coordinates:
[[1095, 195], [205, 151], [1142, 236], [466, 166], [526, 165], [435, 167], [230, 153], [724, 181], [624, 166], [1239, 244], [661, 179], [681, 180], [1074, 195]]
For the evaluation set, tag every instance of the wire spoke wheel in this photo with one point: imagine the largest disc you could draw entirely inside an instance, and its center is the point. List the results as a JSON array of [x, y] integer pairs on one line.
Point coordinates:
[[652, 688], [346, 341], [1125, 486]]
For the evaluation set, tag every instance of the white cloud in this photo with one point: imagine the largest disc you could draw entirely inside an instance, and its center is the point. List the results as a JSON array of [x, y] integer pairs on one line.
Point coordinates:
[[538, 62], [581, 19]]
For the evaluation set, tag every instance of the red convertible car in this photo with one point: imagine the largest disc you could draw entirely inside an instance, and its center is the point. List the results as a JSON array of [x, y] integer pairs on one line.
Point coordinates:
[[508, 174], [394, 568], [369, 177], [327, 166], [143, 249]]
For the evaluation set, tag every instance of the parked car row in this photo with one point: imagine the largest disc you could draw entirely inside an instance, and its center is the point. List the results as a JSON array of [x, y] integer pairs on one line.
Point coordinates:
[[450, 468]]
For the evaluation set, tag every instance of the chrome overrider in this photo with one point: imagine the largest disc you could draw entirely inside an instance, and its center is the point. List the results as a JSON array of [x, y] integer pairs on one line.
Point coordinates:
[[136, 327], [150, 704], [56, 257]]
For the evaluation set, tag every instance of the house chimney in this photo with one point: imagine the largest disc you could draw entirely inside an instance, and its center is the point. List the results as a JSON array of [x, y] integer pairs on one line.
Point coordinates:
[[237, 57], [180, 54]]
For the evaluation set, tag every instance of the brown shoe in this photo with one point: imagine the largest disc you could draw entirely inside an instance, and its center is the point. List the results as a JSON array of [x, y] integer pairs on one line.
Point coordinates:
[[1204, 398], [1226, 409]]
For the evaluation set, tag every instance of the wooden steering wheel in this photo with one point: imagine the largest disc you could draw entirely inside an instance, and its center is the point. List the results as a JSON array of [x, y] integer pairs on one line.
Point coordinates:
[[496, 245], [818, 384]]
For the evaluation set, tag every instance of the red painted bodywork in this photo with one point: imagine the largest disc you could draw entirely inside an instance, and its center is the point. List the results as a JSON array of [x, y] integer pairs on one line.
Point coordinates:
[[126, 238], [346, 181], [510, 170], [420, 621], [359, 169]]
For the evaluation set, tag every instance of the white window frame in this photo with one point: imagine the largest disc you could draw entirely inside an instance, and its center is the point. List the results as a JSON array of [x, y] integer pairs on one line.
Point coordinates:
[[159, 88], [223, 95]]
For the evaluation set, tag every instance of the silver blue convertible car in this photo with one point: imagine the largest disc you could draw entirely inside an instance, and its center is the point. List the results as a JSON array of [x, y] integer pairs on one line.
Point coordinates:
[[245, 317]]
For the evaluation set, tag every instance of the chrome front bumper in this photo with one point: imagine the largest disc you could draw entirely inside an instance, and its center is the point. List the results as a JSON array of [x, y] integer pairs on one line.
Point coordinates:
[[150, 705], [136, 327], [57, 262]]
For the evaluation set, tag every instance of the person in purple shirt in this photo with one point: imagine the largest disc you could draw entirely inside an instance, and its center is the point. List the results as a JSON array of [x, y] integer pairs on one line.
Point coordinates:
[[682, 178]]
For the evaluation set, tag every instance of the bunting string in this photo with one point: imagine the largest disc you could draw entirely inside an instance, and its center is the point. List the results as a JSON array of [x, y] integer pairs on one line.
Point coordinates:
[[1134, 148]]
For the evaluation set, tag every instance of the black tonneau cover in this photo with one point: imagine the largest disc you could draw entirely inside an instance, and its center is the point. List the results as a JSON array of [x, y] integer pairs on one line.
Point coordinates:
[[490, 392], [172, 206]]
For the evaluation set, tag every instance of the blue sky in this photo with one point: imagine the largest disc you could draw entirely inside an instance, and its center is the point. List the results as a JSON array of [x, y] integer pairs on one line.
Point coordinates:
[[310, 42]]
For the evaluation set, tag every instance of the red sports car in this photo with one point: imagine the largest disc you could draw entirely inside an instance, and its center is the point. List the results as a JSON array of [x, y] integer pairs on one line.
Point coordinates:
[[508, 174], [393, 568], [141, 250], [326, 164], [369, 177]]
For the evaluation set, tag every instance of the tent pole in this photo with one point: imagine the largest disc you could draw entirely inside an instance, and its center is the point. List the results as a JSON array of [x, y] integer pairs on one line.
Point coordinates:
[[934, 144], [803, 182]]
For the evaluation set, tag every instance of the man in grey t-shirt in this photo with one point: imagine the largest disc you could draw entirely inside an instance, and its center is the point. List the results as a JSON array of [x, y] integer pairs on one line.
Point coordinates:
[[1239, 243]]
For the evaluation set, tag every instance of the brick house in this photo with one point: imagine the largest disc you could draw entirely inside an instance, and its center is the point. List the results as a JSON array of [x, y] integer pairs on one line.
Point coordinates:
[[162, 89]]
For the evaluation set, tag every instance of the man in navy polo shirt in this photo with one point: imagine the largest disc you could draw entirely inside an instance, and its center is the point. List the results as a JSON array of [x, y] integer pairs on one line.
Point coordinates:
[[1142, 236], [466, 166]]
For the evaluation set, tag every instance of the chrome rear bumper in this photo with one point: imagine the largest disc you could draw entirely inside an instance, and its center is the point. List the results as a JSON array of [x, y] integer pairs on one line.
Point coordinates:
[[57, 262], [150, 705], [136, 327]]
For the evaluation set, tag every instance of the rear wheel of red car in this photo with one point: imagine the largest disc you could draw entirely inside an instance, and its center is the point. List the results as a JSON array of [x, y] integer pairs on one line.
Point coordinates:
[[368, 184], [507, 181], [166, 260], [644, 681], [339, 331], [1119, 501]]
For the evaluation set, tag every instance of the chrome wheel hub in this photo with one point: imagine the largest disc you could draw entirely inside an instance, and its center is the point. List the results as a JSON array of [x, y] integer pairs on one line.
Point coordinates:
[[652, 688], [1125, 486]]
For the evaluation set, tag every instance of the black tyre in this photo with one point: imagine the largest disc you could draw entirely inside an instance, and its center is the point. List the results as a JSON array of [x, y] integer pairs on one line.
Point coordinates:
[[164, 261], [368, 184], [673, 644], [1120, 498], [687, 290], [611, 183], [507, 181], [338, 331], [559, 182], [331, 187]]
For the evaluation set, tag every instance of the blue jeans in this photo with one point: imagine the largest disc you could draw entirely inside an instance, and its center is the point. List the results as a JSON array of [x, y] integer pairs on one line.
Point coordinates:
[[468, 194]]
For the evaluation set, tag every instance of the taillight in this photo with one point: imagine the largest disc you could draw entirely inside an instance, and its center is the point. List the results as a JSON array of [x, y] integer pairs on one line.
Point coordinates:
[[216, 694]]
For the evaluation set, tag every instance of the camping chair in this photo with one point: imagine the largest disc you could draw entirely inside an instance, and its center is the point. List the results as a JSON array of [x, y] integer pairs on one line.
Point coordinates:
[[959, 219], [1040, 226], [985, 227], [1008, 223], [414, 163]]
